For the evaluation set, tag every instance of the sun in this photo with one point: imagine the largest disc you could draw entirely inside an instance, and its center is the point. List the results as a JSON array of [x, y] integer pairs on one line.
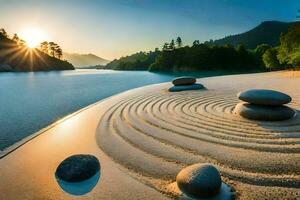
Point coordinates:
[[33, 37]]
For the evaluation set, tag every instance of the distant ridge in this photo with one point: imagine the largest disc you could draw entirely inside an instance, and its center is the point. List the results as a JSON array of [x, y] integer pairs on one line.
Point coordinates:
[[267, 32], [84, 60]]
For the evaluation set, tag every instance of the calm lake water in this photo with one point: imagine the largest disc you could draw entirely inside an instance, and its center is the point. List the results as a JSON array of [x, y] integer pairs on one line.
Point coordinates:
[[31, 101]]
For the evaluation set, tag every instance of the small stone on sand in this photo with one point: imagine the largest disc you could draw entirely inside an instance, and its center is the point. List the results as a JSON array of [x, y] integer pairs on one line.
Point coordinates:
[[199, 180], [77, 168]]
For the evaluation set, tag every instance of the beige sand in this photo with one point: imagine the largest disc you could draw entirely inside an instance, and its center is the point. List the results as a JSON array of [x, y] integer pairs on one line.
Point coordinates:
[[147, 135]]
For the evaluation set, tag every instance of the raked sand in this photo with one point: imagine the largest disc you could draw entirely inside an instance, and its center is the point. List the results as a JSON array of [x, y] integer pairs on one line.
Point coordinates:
[[144, 137]]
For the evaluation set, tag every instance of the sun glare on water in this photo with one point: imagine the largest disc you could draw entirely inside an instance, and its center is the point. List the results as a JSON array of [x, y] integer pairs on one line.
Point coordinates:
[[33, 37]]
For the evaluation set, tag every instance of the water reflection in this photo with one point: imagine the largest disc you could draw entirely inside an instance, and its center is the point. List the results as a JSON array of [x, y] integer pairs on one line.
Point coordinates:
[[79, 188], [35, 100]]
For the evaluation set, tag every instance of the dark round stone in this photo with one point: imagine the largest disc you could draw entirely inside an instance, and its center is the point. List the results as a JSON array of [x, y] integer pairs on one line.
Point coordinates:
[[184, 80], [265, 97], [265, 113], [77, 168], [199, 180], [179, 88]]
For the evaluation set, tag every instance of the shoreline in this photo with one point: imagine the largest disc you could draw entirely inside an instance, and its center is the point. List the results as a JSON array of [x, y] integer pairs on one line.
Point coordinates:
[[23, 141], [18, 144], [68, 91]]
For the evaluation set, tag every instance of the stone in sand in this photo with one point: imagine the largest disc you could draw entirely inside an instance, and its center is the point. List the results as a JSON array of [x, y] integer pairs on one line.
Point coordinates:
[[199, 180], [179, 88], [184, 80], [265, 113], [265, 97], [78, 168]]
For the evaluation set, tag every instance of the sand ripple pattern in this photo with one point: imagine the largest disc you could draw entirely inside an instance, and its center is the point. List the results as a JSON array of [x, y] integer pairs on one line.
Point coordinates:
[[157, 133]]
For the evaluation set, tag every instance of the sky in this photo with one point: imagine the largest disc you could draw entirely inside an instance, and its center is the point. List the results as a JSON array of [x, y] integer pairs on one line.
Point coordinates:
[[115, 28]]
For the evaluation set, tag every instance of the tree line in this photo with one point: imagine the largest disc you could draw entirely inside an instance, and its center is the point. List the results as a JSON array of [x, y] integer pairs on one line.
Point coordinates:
[[201, 56], [172, 46], [14, 37], [50, 48], [287, 54], [137, 61], [174, 57]]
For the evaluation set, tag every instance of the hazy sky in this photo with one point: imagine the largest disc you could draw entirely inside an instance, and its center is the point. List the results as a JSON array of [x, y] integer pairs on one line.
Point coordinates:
[[113, 28]]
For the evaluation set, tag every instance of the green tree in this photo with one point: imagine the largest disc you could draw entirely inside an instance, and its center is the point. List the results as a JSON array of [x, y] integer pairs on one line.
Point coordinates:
[[179, 42], [58, 52], [241, 49], [16, 38], [196, 43], [22, 42], [295, 59], [52, 48], [289, 49], [172, 45], [3, 32], [261, 49], [270, 59], [165, 47], [44, 47]]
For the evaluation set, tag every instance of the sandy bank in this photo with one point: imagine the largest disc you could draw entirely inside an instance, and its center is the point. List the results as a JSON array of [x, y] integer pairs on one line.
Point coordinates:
[[143, 137]]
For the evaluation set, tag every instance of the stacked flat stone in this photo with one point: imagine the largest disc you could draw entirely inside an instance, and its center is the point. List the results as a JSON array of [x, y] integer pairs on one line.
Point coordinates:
[[185, 83], [266, 105]]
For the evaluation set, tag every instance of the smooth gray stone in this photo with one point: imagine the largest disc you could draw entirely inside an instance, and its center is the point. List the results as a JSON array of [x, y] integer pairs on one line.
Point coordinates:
[[77, 168], [199, 180], [264, 97], [264, 113], [179, 88], [184, 80]]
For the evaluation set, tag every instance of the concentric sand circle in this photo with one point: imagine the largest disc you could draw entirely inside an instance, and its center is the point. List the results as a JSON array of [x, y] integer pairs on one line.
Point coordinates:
[[155, 133]]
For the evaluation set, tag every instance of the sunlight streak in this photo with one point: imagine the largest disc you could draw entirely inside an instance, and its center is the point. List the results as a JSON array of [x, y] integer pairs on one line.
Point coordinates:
[[33, 37]]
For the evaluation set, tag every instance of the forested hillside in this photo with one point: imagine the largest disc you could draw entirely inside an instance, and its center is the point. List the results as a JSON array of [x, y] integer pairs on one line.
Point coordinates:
[[16, 56], [270, 46], [266, 33]]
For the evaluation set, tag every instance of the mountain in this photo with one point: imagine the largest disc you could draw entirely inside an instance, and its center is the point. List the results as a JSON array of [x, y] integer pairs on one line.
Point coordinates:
[[84, 60], [267, 32], [14, 57]]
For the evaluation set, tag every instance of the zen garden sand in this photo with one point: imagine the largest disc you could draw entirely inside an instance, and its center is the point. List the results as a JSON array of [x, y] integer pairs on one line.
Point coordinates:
[[144, 137]]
